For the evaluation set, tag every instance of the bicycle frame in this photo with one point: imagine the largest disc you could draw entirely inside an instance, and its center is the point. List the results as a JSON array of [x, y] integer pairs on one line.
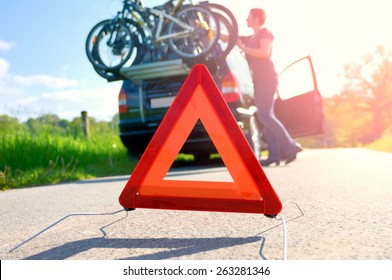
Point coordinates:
[[164, 18]]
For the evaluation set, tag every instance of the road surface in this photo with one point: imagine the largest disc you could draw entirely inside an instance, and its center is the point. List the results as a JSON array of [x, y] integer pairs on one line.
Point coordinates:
[[344, 198]]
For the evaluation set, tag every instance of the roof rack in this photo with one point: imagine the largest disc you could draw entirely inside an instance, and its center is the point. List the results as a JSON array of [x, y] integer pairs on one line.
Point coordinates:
[[153, 70]]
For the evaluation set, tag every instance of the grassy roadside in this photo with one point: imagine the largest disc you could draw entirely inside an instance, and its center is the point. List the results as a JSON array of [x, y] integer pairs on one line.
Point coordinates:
[[28, 160], [383, 144]]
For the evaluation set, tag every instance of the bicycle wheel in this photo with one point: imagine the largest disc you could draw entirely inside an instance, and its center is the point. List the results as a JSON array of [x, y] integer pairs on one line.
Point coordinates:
[[201, 39], [109, 45], [91, 47], [138, 38], [223, 46], [136, 57], [112, 75], [228, 28], [222, 10]]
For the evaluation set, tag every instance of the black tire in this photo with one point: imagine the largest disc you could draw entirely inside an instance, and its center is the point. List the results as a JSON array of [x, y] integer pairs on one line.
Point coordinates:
[[109, 45], [216, 8], [229, 23], [98, 38], [134, 56], [90, 47], [136, 150], [201, 157], [139, 37], [133, 155], [222, 48], [108, 75], [201, 41]]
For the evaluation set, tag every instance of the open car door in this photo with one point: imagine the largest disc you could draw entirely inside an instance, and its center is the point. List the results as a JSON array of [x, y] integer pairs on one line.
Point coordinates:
[[299, 105]]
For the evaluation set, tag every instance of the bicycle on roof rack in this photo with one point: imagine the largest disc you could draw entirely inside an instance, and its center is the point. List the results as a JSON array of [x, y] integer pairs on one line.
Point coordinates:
[[190, 32]]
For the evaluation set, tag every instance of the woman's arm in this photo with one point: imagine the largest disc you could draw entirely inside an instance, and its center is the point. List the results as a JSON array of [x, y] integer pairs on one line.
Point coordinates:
[[264, 51]]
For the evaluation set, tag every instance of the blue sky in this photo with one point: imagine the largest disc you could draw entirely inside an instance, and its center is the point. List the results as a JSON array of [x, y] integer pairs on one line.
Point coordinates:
[[44, 69]]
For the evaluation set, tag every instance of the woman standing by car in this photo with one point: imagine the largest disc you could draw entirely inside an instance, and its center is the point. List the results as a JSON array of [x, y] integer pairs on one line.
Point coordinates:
[[258, 50]]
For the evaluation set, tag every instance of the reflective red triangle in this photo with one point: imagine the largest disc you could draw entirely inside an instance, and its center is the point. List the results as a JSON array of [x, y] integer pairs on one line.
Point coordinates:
[[250, 191]]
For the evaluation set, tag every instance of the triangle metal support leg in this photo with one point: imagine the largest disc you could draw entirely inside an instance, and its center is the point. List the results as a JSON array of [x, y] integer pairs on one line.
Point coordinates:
[[283, 223], [62, 219]]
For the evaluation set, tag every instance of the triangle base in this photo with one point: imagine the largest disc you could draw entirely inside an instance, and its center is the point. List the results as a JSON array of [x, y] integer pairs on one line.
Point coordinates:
[[200, 204]]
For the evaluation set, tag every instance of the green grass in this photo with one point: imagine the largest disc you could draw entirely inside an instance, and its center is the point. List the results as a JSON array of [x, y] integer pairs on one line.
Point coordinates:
[[383, 144], [31, 159], [27, 160]]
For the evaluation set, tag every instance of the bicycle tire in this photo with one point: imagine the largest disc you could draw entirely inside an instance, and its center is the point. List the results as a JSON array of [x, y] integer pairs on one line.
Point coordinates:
[[227, 18], [103, 52], [223, 48], [198, 43], [139, 39], [108, 75], [217, 8], [91, 50], [94, 56]]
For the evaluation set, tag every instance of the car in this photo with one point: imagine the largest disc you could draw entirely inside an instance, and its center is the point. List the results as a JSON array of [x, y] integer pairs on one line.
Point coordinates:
[[149, 89]]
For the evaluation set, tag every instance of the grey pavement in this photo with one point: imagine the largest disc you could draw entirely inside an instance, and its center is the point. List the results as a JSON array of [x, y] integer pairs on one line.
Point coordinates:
[[345, 196]]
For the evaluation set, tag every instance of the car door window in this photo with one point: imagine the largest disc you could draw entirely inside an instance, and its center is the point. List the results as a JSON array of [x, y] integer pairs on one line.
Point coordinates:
[[296, 79], [299, 104]]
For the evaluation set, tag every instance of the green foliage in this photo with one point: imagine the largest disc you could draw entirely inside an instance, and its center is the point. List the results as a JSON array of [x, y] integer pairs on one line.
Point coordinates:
[[383, 144], [349, 118], [9, 125], [369, 82], [362, 112], [48, 150]]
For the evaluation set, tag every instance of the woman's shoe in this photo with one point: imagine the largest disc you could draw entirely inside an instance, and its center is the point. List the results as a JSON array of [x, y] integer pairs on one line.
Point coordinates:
[[299, 147], [292, 154], [268, 162]]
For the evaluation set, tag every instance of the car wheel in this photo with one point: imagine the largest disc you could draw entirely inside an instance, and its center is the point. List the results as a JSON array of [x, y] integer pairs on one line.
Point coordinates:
[[135, 150], [132, 155], [201, 157]]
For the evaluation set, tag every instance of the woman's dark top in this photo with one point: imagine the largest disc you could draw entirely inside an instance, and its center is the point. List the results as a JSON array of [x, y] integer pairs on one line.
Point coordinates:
[[262, 69]]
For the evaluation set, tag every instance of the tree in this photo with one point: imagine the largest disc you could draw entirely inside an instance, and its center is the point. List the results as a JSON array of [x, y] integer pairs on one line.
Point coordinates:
[[369, 82], [47, 123], [348, 119], [9, 125]]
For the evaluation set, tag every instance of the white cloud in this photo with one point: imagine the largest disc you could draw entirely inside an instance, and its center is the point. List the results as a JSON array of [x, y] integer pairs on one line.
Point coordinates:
[[5, 46], [100, 103], [44, 80], [4, 66], [50, 82], [76, 94], [31, 96]]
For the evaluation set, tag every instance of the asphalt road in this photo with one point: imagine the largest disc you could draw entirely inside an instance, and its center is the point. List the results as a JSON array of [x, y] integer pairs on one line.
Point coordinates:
[[344, 198]]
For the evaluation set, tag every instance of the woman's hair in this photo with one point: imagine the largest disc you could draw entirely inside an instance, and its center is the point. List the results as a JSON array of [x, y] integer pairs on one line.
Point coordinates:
[[259, 13]]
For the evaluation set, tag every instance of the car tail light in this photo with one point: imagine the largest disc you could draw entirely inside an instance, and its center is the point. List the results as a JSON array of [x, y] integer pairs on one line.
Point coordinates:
[[230, 88], [122, 101]]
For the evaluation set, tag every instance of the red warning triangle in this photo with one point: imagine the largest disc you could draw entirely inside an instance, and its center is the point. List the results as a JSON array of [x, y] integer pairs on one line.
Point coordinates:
[[250, 191]]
